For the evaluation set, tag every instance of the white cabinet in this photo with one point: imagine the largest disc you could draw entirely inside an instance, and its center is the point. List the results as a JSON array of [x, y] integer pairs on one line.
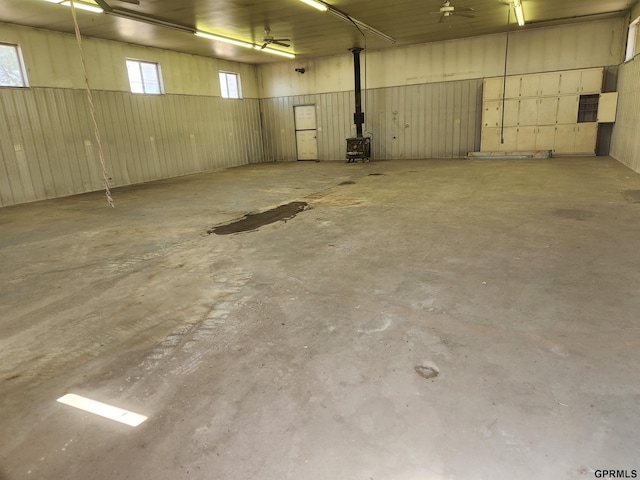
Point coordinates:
[[581, 81], [549, 84], [576, 139], [586, 138], [545, 137], [492, 113], [511, 112], [541, 111], [568, 109], [492, 89], [528, 112], [548, 110], [607, 107]]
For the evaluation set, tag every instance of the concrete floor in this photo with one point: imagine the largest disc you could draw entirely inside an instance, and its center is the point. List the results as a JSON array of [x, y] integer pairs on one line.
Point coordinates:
[[295, 351]]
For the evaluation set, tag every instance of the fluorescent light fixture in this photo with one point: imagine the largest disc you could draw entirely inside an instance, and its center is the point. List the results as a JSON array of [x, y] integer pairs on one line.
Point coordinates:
[[79, 5], [218, 38], [83, 6], [319, 5], [274, 52], [324, 7], [517, 6]]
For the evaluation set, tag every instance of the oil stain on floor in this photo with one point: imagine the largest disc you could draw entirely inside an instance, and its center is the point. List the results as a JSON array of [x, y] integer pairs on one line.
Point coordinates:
[[253, 221]]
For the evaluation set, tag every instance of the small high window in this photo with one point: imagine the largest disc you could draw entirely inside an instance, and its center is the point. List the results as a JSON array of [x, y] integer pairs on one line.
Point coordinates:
[[12, 71], [144, 77], [230, 85], [632, 40]]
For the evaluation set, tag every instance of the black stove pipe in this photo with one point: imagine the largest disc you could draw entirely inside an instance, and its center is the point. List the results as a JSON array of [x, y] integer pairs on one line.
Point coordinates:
[[358, 117]]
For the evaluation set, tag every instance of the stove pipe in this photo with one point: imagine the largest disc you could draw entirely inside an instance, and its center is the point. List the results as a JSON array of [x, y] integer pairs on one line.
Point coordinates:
[[358, 117]]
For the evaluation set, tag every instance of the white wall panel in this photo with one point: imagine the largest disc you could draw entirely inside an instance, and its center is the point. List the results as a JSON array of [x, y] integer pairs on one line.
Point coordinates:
[[437, 120], [581, 45], [52, 60], [47, 148], [625, 143]]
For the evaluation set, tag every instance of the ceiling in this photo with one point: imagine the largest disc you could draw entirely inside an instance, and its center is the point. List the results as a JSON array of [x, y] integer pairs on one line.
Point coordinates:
[[312, 33]]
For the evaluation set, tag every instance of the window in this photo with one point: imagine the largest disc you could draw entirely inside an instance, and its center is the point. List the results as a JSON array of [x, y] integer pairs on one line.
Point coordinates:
[[12, 71], [230, 85], [144, 77], [632, 40]]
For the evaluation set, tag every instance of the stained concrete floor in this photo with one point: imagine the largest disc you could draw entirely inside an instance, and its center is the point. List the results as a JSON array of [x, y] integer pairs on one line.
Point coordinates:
[[296, 351]]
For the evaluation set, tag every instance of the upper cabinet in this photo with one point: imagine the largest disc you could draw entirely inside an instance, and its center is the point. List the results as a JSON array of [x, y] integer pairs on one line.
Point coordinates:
[[581, 81], [544, 84]]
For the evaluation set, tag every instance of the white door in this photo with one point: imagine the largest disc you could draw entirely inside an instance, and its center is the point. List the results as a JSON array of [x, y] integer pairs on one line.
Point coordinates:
[[591, 81], [565, 140], [492, 113], [306, 132], [526, 139], [530, 85], [568, 109], [549, 84]]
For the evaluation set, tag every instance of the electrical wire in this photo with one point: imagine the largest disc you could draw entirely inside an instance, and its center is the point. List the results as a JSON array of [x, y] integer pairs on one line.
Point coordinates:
[[92, 108], [504, 78]]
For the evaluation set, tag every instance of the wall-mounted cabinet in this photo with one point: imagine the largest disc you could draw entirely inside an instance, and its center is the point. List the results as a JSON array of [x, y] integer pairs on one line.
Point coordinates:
[[556, 111], [561, 139]]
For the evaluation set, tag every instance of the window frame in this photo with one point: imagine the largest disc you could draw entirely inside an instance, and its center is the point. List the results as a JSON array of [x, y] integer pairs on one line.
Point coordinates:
[[21, 65], [158, 71], [224, 93], [632, 40]]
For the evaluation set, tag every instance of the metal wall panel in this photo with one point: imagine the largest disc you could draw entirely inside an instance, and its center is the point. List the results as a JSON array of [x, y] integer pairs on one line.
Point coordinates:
[[625, 143], [47, 145], [435, 120]]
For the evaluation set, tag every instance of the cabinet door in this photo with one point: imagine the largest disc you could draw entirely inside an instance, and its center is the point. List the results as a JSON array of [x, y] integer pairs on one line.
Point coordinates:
[[548, 110], [490, 140], [492, 89], [510, 140], [529, 85], [565, 139], [526, 138], [571, 81], [545, 137], [512, 89], [607, 107], [528, 112], [591, 81], [549, 84], [568, 109], [586, 137], [511, 112], [492, 113]]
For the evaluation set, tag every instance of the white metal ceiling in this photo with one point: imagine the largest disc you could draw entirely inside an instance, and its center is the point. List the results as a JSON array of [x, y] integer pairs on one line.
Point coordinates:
[[312, 33]]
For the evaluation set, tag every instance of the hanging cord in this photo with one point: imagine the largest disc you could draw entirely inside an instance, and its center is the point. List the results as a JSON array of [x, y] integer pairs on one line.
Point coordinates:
[[504, 78], [92, 107]]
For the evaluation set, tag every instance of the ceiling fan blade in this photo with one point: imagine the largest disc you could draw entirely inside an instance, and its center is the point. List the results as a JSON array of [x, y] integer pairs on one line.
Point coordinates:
[[468, 15], [435, 13], [264, 45], [441, 19], [465, 9], [282, 44], [134, 2]]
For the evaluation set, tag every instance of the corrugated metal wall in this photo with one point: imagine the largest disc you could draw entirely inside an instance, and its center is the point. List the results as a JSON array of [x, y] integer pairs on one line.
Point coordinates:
[[625, 143], [47, 147], [435, 120]]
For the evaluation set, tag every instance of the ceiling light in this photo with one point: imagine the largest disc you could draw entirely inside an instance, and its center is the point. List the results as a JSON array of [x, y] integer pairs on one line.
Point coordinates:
[[275, 52], [315, 4], [224, 39], [89, 7], [517, 6]]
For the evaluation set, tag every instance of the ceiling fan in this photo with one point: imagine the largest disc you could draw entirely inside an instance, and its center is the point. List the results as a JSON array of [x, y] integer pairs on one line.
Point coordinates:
[[448, 10], [270, 40]]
